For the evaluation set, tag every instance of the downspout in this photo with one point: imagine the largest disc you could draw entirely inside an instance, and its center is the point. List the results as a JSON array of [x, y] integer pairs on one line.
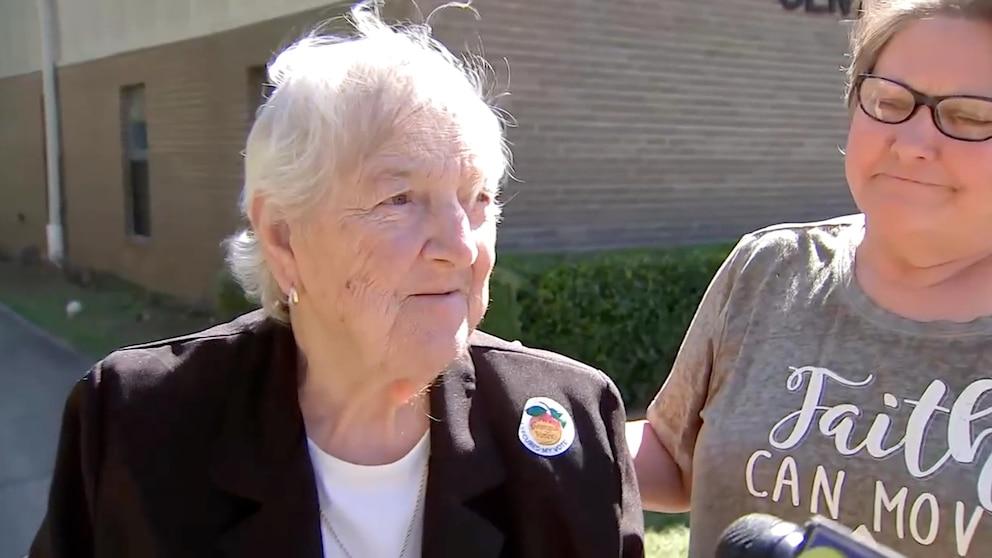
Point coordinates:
[[49, 55]]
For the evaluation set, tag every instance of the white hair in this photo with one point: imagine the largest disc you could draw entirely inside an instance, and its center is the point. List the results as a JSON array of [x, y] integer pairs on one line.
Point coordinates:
[[335, 101]]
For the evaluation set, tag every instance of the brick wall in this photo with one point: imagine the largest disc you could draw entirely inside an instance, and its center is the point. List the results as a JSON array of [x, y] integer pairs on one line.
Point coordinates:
[[667, 121], [198, 107], [23, 205], [639, 123]]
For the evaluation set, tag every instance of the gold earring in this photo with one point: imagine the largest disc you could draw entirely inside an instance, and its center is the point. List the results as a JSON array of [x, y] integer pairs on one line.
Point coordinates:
[[294, 296]]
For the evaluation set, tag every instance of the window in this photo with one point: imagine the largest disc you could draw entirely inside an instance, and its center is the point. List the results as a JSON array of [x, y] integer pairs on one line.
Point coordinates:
[[135, 143]]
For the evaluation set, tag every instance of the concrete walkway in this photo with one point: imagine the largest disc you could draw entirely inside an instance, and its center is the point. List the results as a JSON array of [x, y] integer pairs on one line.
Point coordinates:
[[36, 374]]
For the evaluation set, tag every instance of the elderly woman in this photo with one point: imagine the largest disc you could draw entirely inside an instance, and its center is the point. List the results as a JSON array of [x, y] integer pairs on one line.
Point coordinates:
[[359, 413], [845, 367]]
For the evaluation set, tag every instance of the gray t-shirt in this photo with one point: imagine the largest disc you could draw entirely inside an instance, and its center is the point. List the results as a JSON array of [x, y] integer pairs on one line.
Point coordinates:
[[794, 394]]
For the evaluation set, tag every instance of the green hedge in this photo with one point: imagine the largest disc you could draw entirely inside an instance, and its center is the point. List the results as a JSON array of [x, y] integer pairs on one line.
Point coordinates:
[[622, 312]]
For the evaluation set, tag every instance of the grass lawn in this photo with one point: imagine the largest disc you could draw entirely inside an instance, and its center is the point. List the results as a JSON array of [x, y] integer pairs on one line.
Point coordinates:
[[117, 314], [114, 313], [666, 535]]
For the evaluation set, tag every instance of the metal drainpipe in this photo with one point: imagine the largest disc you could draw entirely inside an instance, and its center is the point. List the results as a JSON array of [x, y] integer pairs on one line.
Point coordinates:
[[49, 33]]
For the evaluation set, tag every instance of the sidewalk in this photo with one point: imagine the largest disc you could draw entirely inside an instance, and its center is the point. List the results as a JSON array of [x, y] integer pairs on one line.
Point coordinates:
[[36, 373]]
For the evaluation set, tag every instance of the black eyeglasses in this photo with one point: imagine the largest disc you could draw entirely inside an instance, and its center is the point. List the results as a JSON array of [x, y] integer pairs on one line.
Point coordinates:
[[961, 117]]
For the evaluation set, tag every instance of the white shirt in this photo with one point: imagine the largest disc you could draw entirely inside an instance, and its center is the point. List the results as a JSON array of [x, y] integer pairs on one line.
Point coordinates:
[[371, 506]]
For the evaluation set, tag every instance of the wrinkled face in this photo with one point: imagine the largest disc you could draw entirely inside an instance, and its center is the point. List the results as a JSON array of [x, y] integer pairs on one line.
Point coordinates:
[[397, 260], [916, 186]]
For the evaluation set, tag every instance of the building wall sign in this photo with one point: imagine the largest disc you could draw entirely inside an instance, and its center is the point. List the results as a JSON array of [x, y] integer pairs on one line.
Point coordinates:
[[842, 7]]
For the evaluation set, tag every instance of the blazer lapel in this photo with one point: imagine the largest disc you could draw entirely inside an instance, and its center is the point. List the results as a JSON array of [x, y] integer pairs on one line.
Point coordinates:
[[465, 466], [261, 459]]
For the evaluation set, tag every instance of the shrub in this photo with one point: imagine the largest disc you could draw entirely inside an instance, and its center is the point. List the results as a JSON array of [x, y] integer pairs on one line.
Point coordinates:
[[622, 312], [503, 315], [230, 300]]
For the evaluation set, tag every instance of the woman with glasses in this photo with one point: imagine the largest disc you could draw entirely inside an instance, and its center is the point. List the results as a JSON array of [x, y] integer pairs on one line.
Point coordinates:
[[844, 368]]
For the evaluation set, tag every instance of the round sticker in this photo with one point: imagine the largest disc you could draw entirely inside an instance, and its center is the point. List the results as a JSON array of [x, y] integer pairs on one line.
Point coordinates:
[[546, 427]]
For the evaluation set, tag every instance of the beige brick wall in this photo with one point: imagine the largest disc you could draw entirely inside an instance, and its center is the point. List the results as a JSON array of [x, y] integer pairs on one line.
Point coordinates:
[[23, 205], [198, 107], [639, 123], [668, 121]]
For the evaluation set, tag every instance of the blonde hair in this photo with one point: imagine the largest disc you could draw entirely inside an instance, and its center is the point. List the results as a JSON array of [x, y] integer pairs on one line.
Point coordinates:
[[335, 100], [882, 19]]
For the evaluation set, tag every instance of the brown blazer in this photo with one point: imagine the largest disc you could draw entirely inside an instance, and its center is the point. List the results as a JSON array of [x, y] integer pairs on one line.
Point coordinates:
[[196, 447]]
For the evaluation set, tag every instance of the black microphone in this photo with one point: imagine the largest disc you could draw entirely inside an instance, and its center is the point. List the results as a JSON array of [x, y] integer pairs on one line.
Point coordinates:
[[759, 535]]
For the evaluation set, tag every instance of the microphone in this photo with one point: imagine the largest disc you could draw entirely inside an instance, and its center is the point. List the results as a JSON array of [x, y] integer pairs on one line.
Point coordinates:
[[759, 535]]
